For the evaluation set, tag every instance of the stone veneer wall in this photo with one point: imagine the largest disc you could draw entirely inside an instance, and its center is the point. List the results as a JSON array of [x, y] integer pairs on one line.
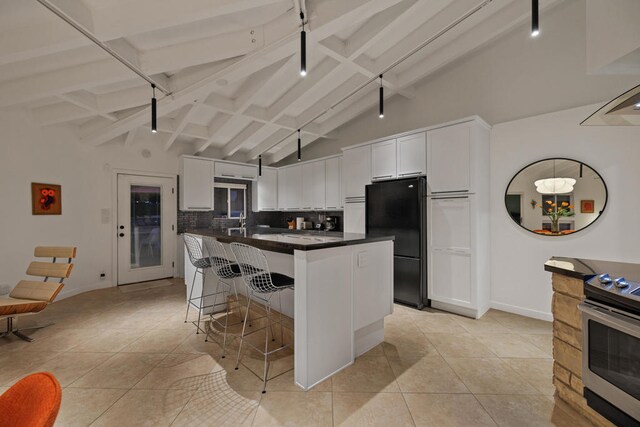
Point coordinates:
[[568, 292]]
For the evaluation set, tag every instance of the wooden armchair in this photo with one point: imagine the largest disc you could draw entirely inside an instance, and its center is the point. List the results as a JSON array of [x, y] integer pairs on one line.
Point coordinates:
[[29, 297]]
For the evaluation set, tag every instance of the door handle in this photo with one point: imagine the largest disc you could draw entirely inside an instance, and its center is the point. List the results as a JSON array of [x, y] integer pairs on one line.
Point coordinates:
[[121, 234]]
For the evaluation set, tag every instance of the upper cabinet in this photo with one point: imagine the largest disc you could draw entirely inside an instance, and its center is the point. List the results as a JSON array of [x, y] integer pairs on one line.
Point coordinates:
[[264, 192], [356, 168], [236, 170], [333, 180], [383, 160], [318, 173], [412, 155], [290, 188], [196, 184], [450, 159]]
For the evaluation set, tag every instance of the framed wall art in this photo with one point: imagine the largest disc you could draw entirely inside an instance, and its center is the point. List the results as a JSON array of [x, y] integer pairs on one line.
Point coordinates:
[[587, 206], [46, 199]]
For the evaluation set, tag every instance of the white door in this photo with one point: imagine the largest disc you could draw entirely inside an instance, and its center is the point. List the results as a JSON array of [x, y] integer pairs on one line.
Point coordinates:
[[145, 228], [333, 183], [412, 155], [356, 168]]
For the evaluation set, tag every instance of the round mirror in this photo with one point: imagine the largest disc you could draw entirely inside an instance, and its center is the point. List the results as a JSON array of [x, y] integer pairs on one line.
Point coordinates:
[[556, 197]]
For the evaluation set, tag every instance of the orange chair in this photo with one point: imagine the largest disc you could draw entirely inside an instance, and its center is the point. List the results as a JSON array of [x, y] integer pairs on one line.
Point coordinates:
[[33, 401]]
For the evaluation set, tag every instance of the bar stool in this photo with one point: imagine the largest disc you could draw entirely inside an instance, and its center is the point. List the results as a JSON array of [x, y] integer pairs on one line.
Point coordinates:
[[226, 271], [261, 286], [201, 262]]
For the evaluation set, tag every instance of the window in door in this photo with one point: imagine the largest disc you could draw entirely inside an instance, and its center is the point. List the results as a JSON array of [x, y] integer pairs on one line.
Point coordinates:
[[230, 200]]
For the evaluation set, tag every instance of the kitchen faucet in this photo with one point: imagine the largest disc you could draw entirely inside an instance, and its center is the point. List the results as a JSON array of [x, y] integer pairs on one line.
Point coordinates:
[[243, 222]]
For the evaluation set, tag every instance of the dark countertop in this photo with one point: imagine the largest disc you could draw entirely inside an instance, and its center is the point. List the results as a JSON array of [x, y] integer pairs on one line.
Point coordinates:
[[585, 269], [286, 241]]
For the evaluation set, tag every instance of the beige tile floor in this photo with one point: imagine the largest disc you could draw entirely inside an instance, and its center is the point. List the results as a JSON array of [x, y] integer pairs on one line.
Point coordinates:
[[128, 359]]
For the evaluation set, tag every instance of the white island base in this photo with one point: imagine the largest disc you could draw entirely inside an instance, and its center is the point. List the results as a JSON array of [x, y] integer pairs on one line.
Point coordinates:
[[341, 297]]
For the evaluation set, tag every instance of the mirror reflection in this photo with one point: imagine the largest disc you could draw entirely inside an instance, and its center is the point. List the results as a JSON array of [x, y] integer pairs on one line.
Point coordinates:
[[556, 197]]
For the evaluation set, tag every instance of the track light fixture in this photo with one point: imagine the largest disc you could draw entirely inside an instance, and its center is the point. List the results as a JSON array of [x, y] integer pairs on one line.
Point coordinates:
[[535, 25], [260, 165], [154, 117], [381, 112], [303, 47], [299, 146]]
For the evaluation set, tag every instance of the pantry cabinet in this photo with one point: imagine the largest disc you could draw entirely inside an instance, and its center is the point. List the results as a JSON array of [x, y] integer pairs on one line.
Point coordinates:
[[450, 159], [333, 184], [356, 168]]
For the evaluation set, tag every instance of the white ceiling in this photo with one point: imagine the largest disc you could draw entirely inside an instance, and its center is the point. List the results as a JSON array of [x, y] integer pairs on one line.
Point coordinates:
[[231, 65]]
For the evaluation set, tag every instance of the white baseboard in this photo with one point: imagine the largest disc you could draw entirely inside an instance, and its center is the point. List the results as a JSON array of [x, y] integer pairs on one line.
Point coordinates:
[[522, 311], [66, 293]]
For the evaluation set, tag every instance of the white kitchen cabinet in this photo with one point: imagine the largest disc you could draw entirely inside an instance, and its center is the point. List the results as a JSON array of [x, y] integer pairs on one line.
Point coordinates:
[[318, 174], [264, 192], [354, 217], [196, 184], [450, 223], [412, 155], [236, 171], [307, 186], [290, 188], [451, 277], [383, 160], [356, 168], [333, 180], [450, 159]]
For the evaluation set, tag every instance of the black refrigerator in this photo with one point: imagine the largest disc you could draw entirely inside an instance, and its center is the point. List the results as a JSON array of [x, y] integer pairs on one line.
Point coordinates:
[[398, 208]]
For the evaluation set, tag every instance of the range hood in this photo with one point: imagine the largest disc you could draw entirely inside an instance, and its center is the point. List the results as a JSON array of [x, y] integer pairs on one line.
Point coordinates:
[[621, 111]]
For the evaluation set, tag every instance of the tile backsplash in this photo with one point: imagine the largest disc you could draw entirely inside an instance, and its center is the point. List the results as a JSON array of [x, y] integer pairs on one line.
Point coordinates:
[[276, 219]]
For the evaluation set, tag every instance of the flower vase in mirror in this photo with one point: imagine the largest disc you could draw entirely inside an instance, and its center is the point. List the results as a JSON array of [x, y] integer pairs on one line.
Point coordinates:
[[556, 197]]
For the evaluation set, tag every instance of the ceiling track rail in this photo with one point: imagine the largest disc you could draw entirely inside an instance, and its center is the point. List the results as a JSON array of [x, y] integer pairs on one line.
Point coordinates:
[[403, 58], [69, 20]]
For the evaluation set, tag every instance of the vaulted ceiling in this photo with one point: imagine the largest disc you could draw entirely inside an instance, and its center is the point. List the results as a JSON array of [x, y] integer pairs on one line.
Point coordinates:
[[231, 65]]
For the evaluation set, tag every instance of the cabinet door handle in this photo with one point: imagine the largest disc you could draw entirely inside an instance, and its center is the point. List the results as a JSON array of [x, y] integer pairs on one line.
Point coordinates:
[[332, 207], [307, 207], [248, 177], [226, 174], [199, 207], [410, 173]]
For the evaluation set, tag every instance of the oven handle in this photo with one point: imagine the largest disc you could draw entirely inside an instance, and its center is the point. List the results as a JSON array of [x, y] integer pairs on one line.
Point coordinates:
[[612, 319]]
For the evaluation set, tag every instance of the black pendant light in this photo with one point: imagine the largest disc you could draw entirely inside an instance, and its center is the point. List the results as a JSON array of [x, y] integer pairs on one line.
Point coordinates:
[[381, 112], [535, 25], [260, 165], [303, 48], [299, 146], [154, 117]]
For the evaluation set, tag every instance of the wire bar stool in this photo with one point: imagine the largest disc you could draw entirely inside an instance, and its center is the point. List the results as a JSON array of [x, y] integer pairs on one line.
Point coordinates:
[[201, 261], [262, 285], [226, 271]]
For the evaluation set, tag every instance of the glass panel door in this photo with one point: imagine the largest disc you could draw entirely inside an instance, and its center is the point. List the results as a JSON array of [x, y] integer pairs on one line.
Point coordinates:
[[146, 226]]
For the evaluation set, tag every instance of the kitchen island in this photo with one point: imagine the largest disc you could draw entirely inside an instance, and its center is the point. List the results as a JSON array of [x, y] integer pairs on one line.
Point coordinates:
[[343, 291]]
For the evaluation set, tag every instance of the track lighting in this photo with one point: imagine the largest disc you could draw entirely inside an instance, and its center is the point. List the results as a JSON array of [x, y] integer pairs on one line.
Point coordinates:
[[381, 112], [535, 25], [260, 165], [303, 48], [154, 117], [299, 146]]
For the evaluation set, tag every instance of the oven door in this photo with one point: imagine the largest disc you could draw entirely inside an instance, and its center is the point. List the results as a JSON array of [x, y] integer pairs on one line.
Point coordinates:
[[611, 356]]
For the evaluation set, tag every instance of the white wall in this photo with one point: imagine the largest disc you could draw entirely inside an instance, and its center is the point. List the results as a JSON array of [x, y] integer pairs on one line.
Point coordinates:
[[55, 155], [518, 280]]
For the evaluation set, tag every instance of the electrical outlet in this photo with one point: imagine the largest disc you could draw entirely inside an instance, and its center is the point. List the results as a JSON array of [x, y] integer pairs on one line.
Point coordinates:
[[362, 259], [103, 275]]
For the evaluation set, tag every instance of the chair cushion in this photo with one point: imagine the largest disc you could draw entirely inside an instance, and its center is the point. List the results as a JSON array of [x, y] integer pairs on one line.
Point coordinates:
[[10, 306], [202, 263], [278, 280], [38, 291], [228, 271]]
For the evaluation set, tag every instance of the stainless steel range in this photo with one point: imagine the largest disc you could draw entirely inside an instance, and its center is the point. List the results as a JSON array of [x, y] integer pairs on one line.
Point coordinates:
[[611, 348]]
